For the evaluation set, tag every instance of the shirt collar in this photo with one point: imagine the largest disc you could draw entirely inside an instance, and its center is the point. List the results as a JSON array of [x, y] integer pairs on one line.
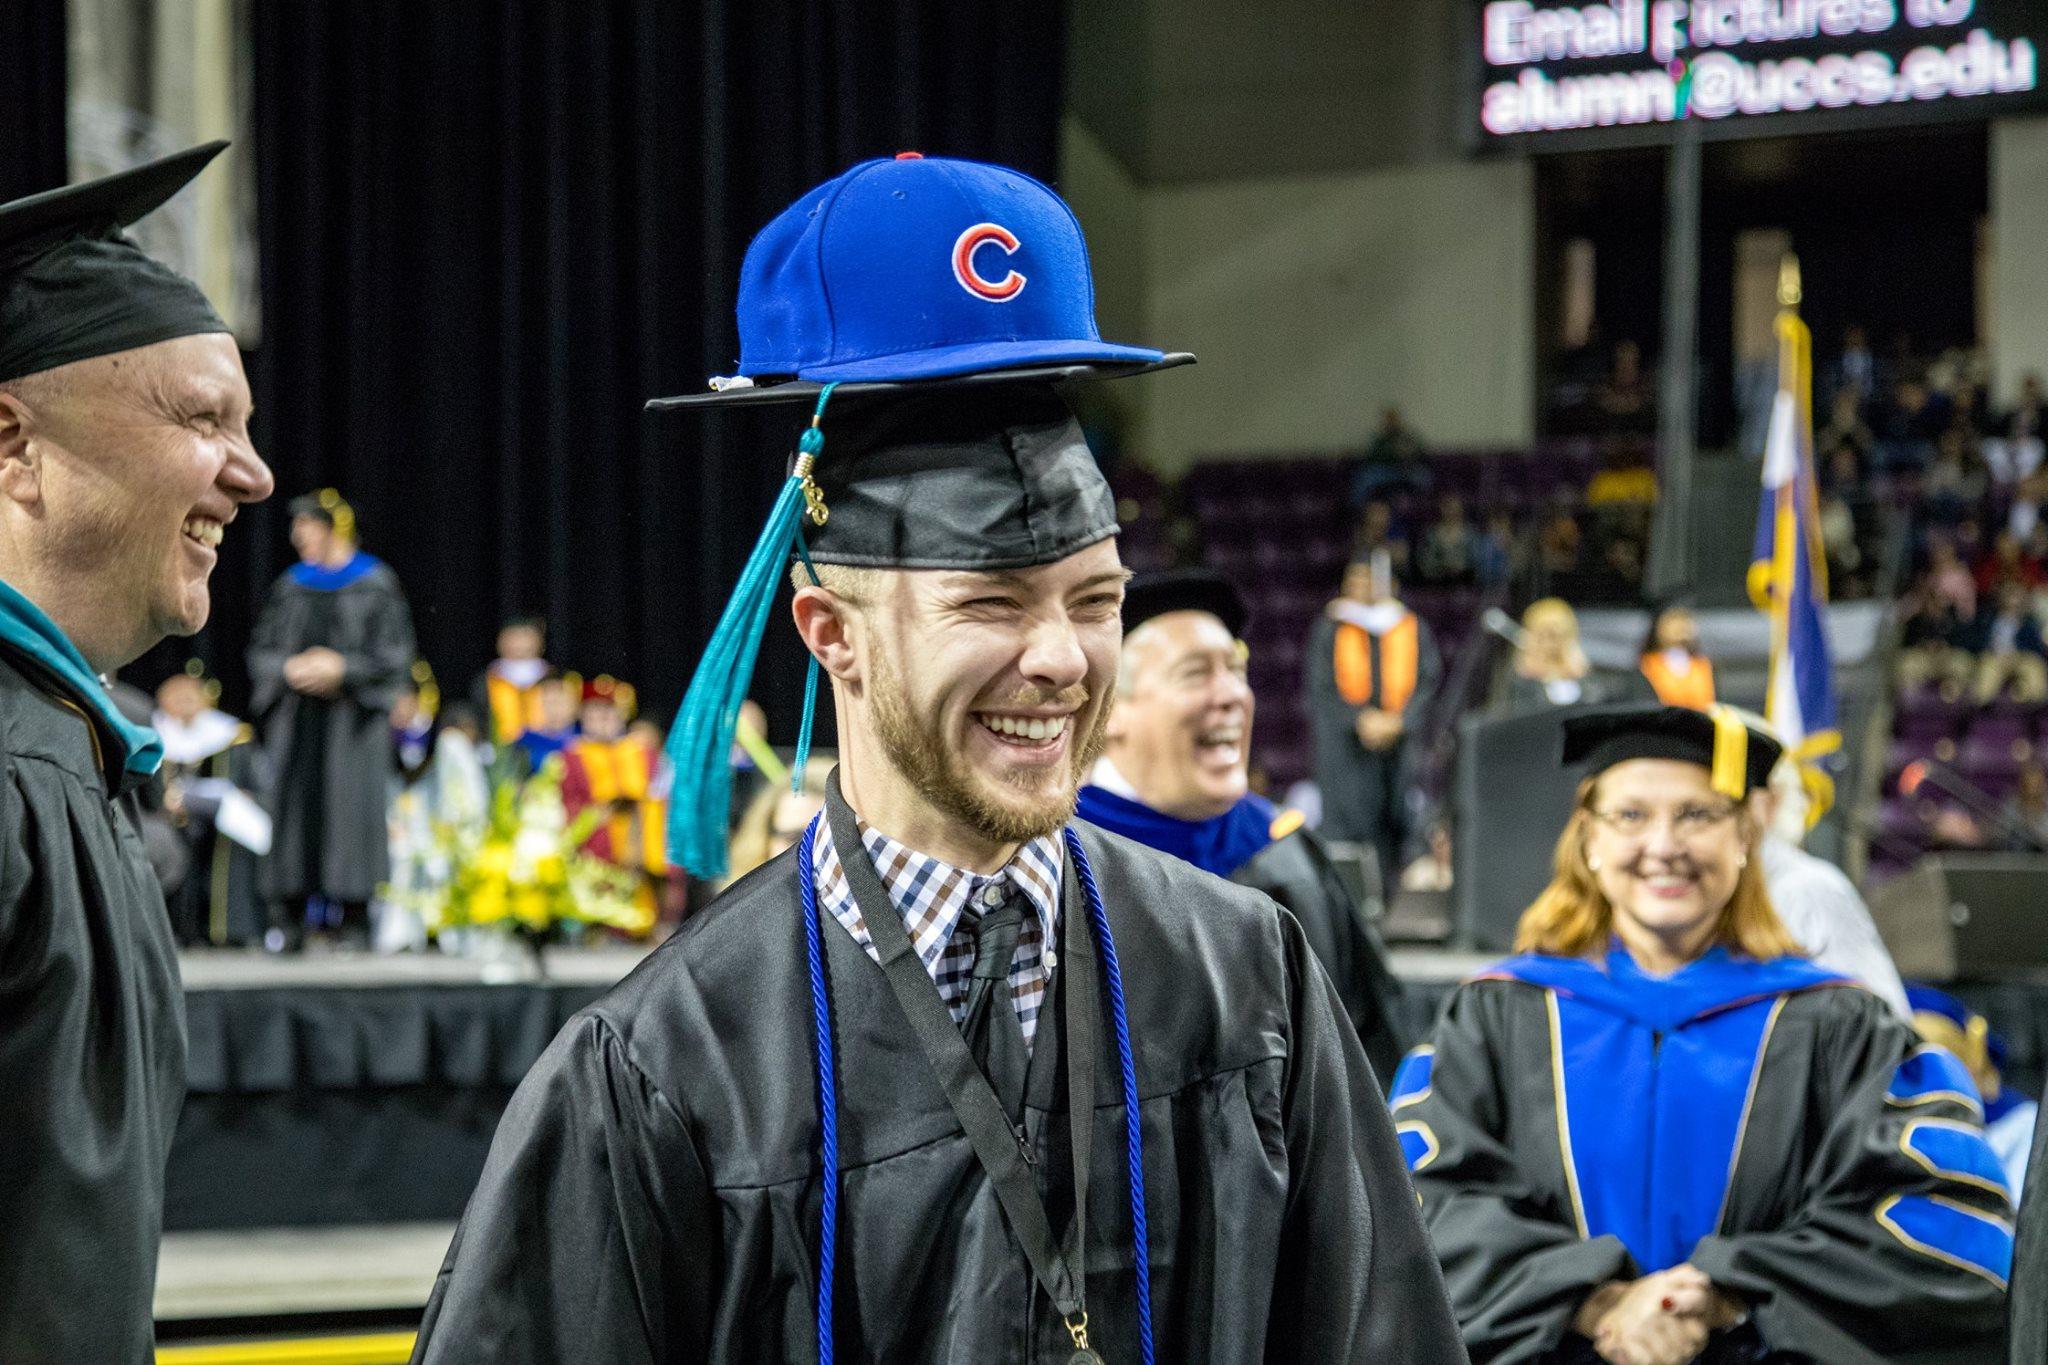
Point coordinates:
[[933, 897]]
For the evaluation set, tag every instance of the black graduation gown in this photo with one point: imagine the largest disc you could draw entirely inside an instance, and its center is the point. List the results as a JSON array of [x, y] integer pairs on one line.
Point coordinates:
[[1296, 871], [333, 841], [652, 1192], [92, 1044], [1822, 1151], [1364, 790], [2030, 1261]]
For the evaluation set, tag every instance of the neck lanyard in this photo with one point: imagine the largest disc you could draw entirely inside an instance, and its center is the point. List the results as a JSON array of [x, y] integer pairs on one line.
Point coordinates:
[[1004, 1152]]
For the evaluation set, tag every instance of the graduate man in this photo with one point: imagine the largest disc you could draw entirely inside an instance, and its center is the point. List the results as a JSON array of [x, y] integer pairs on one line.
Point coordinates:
[[877, 1102], [124, 454], [1174, 775], [1373, 670], [331, 651]]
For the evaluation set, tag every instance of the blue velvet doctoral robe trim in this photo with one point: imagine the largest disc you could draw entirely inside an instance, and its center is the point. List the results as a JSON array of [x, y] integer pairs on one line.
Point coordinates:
[[320, 578], [26, 628], [1654, 1078], [541, 745], [1221, 845]]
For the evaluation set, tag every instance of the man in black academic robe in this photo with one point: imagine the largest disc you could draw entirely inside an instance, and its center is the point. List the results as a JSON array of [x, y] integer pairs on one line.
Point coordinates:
[[1174, 776], [789, 1093], [124, 453], [330, 654], [1372, 671]]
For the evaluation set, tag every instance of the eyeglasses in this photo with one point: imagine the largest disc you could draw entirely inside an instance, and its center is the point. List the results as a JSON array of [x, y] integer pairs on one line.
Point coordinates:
[[1689, 824]]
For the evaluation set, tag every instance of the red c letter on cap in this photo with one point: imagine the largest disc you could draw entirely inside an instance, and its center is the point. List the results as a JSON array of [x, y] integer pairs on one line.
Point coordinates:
[[970, 241]]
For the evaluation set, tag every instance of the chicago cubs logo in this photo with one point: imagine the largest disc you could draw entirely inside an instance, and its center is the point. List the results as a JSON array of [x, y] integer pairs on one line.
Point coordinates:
[[972, 280]]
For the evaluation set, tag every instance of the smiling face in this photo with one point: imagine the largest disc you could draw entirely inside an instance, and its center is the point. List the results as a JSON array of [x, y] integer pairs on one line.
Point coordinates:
[[984, 695], [1666, 850], [139, 461], [1181, 730]]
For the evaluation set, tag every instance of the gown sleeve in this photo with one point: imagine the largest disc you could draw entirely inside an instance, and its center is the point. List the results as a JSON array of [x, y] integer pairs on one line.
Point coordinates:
[[576, 1244], [1903, 1241], [1356, 1278], [1514, 1261], [379, 667], [268, 649]]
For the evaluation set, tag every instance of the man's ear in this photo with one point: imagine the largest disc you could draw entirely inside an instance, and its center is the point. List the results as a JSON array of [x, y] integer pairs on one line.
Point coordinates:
[[20, 467], [830, 628]]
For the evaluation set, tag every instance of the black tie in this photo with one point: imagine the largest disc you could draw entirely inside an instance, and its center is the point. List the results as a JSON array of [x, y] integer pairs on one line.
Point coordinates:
[[993, 1034]]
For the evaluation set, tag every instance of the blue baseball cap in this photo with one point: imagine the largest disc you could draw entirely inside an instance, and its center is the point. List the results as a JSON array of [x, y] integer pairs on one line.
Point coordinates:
[[911, 269]]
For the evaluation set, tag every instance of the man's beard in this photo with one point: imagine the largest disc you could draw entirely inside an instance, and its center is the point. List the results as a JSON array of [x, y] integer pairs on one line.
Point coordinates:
[[944, 778]]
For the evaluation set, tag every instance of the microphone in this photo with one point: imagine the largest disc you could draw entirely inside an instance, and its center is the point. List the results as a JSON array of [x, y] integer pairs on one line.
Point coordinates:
[[1498, 622]]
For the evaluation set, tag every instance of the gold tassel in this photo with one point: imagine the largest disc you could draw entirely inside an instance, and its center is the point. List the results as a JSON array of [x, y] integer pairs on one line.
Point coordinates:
[[1731, 753]]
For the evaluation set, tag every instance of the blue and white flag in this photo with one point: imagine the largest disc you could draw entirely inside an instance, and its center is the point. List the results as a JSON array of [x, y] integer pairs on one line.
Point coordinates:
[[1788, 576]]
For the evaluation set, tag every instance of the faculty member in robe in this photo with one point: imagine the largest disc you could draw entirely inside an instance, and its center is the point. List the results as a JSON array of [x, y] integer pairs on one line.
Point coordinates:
[[1372, 671], [124, 455], [1661, 1135], [507, 692], [956, 1078], [331, 651], [207, 752], [1174, 774]]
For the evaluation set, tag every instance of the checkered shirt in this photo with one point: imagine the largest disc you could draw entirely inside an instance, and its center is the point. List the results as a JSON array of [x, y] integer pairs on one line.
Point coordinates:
[[938, 901]]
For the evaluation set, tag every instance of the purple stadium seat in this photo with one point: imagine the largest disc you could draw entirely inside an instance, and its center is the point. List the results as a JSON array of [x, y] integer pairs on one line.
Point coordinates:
[[1927, 714], [1988, 758]]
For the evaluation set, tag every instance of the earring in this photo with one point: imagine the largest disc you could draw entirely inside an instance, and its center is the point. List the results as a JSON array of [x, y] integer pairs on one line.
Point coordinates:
[[1592, 864], [1742, 862]]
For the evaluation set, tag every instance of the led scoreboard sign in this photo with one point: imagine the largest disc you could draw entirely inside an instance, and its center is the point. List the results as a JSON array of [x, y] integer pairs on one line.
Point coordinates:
[[1626, 69]]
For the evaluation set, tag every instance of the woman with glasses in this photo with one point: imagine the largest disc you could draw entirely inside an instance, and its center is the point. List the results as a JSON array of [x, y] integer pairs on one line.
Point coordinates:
[[1661, 1135]]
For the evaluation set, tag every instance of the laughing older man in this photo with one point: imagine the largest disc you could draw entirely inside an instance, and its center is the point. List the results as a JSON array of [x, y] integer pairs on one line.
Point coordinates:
[[124, 454]]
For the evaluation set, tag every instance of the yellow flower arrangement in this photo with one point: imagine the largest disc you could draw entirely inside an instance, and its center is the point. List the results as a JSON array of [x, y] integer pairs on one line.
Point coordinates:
[[526, 871]]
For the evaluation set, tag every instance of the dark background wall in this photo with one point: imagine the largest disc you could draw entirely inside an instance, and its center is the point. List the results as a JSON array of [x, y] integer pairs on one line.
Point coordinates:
[[490, 233], [32, 114]]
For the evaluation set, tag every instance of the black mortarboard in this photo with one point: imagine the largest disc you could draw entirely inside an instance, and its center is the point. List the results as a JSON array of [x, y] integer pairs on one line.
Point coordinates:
[[1739, 756], [959, 477], [74, 286], [1155, 594], [326, 505]]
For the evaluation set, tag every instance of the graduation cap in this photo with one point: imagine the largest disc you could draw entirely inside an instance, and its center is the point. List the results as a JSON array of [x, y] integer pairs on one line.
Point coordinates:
[[932, 307], [329, 506], [1739, 756], [1167, 590], [910, 269], [73, 285]]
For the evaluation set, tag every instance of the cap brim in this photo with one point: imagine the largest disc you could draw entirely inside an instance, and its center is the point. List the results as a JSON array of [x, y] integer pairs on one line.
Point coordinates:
[[1140, 361], [1170, 590], [116, 200]]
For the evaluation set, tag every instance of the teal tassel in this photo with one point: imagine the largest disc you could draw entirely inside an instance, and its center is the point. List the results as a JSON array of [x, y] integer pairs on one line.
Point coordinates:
[[803, 734], [700, 744]]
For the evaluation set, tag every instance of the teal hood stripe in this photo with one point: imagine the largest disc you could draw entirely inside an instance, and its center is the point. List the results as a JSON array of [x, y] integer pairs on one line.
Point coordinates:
[[24, 626]]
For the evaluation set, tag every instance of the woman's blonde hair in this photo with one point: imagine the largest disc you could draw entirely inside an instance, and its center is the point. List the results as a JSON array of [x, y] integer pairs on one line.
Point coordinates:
[[1572, 918]]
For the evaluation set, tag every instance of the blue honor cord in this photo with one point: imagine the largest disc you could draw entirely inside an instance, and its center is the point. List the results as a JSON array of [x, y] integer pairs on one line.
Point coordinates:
[[828, 1094]]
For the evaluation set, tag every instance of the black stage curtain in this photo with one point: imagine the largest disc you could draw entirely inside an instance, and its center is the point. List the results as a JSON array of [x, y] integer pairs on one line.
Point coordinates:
[[32, 154], [489, 233]]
